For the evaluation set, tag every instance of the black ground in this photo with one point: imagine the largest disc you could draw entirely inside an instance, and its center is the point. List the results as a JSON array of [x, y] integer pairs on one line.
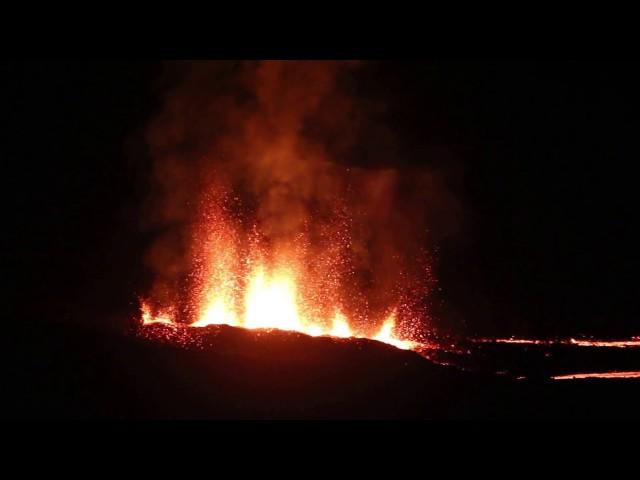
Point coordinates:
[[238, 374]]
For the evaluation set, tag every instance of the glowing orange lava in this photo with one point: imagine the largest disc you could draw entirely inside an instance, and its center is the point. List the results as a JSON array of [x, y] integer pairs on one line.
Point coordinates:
[[614, 374], [633, 342], [240, 279], [149, 319], [273, 306]]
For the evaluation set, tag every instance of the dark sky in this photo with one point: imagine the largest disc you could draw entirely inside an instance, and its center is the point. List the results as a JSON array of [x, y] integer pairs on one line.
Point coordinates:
[[547, 150]]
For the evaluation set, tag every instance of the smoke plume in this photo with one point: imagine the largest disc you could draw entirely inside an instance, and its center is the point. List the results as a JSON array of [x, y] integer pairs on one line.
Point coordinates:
[[278, 138]]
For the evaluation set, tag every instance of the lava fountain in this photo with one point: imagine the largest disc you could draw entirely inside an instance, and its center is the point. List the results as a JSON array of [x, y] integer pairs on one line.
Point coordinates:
[[238, 279], [267, 223]]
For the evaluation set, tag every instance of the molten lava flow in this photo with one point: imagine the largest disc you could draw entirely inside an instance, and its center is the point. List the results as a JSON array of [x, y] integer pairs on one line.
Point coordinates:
[[633, 342], [605, 375]]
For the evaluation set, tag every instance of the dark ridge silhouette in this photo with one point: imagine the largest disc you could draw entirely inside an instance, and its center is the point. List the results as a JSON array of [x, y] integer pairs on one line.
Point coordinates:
[[229, 373]]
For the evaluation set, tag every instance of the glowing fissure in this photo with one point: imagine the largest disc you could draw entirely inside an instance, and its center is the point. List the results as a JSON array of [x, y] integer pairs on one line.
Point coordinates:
[[273, 306], [633, 342], [237, 279], [601, 375]]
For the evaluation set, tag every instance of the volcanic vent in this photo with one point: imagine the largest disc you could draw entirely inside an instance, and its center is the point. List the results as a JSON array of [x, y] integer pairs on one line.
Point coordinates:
[[265, 220]]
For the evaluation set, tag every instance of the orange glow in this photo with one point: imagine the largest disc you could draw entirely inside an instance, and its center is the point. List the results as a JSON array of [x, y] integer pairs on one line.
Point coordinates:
[[217, 312], [266, 221], [240, 280], [148, 318], [340, 326], [387, 335], [614, 374], [272, 302], [633, 342]]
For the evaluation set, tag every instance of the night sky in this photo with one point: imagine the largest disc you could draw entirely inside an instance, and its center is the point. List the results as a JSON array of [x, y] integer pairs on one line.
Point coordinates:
[[544, 155]]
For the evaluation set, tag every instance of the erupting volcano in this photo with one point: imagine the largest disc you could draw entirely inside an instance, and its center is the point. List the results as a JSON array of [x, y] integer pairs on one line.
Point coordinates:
[[266, 223], [237, 280], [321, 240]]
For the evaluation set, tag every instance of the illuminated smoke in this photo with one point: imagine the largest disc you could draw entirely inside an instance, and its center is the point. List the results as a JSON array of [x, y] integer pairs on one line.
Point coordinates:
[[264, 223]]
